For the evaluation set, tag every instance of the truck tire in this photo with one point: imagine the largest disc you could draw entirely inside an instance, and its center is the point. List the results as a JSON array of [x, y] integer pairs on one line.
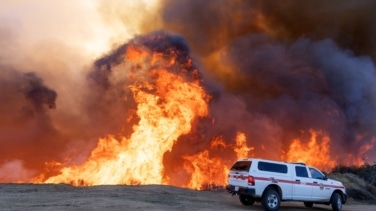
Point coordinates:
[[308, 204], [271, 200], [246, 200], [336, 202]]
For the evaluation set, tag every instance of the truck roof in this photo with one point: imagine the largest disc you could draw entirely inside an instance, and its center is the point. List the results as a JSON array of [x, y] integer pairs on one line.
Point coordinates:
[[260, 159]]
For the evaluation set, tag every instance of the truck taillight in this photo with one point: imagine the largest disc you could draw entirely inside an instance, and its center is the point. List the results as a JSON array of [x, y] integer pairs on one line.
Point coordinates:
[[251, 180]]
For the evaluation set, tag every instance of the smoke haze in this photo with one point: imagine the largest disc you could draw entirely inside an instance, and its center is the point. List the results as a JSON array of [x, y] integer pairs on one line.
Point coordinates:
[[46, 51]]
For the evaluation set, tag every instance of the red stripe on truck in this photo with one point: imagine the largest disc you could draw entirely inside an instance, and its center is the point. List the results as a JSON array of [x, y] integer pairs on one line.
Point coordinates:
[[295, 182]]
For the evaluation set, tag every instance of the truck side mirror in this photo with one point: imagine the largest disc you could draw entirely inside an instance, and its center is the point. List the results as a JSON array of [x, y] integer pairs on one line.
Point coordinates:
[[325, 177]]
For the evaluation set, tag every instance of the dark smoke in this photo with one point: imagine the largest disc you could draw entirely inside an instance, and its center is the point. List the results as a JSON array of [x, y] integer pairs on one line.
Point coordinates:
[[24, 94], [209, 26], [38, 94], [25, 123], [349, 23], [291, 66]]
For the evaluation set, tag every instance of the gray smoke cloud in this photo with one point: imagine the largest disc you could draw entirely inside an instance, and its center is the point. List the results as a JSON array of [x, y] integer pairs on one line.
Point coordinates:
[[25, 124], [296, 65], [352, 82], [210, 25]]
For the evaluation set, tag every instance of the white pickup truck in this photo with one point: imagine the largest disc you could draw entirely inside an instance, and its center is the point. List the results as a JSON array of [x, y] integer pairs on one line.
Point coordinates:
[[271, 182]]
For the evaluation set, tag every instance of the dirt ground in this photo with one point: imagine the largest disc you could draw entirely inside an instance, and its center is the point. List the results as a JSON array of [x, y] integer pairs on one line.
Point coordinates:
[[122, 197]]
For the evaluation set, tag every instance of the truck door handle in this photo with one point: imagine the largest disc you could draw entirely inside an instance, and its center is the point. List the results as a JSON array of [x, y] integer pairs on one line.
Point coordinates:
[[315, 182], [298, 180]]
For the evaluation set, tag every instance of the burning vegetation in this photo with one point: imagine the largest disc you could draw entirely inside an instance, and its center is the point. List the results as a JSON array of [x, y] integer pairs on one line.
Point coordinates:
[[179, 107]]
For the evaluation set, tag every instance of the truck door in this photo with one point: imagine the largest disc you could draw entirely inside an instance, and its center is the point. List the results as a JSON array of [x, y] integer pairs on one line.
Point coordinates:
[[321, 189], [302, 187]]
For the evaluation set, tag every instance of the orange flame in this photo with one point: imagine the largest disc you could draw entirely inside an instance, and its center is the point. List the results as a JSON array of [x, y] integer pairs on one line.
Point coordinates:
[[205, 170], [168, 102], [209, 170], [166, 109], [241, 148], [316, 152]]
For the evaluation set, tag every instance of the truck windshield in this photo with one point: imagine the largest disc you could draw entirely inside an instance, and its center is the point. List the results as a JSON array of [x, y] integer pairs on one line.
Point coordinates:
[[241, 166], [316, 174]]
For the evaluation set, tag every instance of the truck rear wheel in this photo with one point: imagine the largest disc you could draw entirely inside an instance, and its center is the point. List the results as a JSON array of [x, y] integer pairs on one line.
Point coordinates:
[[336, 202], [246, 200], [271, 200]]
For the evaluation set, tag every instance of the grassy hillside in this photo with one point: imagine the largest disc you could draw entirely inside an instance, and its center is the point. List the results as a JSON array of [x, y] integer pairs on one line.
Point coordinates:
[[360, 181]]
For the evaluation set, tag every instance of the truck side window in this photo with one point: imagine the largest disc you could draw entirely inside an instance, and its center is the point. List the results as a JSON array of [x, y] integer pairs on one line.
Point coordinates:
[[301, 171], [272, 167]]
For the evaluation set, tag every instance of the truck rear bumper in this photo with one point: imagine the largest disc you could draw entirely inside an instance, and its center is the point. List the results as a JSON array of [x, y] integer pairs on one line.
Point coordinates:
[[240, 190]]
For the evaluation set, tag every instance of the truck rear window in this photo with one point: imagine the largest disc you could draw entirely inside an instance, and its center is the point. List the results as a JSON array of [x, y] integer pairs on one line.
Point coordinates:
[[272, 167], [241, 166]]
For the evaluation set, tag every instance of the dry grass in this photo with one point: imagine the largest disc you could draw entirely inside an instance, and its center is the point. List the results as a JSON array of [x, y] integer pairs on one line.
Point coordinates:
[[357, 188]]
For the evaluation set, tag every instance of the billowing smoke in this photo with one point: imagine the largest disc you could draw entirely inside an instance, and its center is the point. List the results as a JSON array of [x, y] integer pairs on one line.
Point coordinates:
[[287, 67], [25, 121], [211, 25], [274, 70], [46, 114]]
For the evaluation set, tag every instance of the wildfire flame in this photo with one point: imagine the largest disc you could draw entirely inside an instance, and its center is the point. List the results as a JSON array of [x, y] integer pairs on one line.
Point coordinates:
[[166, 108], [205, 170], [208, 170], [241, 148], [316, 152], [170, 98]]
